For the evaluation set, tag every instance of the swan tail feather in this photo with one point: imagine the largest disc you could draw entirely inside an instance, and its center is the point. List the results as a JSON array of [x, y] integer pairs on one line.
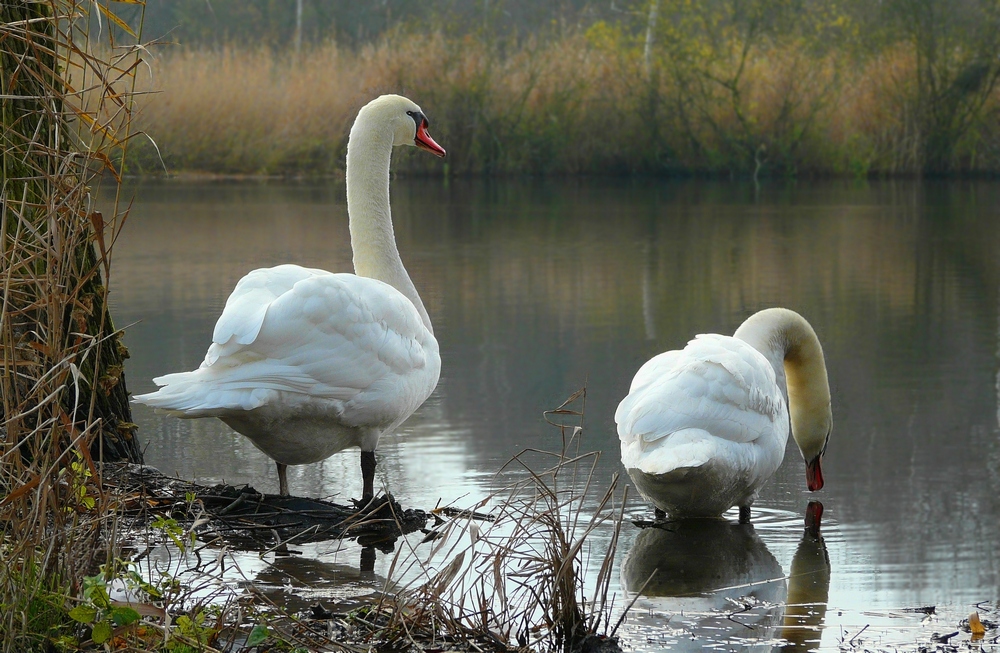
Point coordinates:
[[687, 448], [192, 394]]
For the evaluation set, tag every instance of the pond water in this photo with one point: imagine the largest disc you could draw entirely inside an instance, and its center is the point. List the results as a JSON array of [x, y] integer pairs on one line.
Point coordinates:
[[539, 288]]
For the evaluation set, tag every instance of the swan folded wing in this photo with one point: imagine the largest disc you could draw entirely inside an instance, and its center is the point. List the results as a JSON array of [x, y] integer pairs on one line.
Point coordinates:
[[716, 385], [243, 316], [655, 368], [339, 338]]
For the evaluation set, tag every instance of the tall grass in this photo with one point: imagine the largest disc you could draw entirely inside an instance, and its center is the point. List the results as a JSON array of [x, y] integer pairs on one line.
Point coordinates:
[[582, 102], [63, 398], [518, 581]]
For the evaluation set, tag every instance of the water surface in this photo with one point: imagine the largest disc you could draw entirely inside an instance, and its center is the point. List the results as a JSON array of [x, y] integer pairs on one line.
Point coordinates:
[[537, 289]]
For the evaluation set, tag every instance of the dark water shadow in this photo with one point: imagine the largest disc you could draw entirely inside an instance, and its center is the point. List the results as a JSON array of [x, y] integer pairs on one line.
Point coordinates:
[[298, 583], [714, 582]]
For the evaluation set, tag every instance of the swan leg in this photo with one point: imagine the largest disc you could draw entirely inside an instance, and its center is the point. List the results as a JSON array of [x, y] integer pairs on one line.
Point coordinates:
[[368, 559], [368, 474], [744, 514], [282, 479]]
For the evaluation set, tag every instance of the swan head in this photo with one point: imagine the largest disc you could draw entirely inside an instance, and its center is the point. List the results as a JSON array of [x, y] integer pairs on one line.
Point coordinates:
[[789, 342], [809, 408], [812, 423], [404, 120]]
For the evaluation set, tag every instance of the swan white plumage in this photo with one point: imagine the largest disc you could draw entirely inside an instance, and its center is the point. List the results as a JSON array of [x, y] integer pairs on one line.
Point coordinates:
[[703, 428], [306, 363]]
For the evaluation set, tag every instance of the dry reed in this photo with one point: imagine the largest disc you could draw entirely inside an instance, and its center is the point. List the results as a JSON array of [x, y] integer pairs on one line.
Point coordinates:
[[579, 103], [66, 117], [518, 581], [513, 578]]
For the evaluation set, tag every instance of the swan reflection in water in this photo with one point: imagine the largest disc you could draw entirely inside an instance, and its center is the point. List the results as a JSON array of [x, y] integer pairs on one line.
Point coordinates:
[[297, 582], [808, 587], [704, 580]]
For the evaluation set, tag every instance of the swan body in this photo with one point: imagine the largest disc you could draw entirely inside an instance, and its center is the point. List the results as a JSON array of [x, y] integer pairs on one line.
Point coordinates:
[[703, 428], [306, 363]]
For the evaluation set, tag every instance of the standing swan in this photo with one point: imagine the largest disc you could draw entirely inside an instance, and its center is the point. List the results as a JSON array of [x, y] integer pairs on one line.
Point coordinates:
[[306, 363], [703, 428]]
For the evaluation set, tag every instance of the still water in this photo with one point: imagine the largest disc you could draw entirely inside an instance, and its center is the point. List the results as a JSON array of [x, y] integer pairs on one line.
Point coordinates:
[[537, 289]]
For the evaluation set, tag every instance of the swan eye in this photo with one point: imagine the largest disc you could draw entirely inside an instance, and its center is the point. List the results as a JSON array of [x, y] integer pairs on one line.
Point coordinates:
[[418, 118]]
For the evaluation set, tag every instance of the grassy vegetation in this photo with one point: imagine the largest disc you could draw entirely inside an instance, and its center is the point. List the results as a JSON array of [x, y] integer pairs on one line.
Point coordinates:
[[724, 88], [64, 406], [507, 573], [517, 582]]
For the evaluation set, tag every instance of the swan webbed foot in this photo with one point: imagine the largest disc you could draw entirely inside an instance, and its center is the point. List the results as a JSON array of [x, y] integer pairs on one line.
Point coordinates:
[[282, 479], [744, 514], [660, 515]]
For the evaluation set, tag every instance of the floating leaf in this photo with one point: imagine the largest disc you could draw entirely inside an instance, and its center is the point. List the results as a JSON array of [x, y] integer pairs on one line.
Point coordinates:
[[976, 626]]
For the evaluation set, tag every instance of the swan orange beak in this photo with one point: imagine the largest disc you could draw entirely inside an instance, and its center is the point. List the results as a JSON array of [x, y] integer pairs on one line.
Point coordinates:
[[424, 141], [814, 474]]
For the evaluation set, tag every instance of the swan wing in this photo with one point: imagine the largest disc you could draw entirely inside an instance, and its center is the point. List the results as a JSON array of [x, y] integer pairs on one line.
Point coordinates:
[[249, 302], [716, 392], [297, 336]]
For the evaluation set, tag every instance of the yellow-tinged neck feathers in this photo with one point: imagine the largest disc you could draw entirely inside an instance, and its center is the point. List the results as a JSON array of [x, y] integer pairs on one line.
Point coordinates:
[[788, 341], [381, 124]]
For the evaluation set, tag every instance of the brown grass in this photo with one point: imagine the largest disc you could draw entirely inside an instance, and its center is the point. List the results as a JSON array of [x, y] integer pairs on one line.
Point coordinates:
[[517, 582], [235, 111], [580, 103], [56, 337]]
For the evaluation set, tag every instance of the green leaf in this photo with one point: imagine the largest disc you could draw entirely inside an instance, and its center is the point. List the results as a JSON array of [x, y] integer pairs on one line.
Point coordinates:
[[100, 597], [83, 613], [102, 632], [257, 635], [124, 616], [152, 590]]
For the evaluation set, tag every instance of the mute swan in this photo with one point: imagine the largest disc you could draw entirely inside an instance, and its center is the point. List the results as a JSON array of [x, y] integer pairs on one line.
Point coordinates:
[[703, 428], [306, 363]]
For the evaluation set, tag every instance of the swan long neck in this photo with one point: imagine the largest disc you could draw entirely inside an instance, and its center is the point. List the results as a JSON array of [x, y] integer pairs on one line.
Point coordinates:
[[369, 151], [790, 344]]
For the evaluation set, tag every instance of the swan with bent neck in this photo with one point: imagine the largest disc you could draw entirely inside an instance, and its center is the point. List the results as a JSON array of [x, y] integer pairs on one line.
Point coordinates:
[[703, 428], [306, 363]]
